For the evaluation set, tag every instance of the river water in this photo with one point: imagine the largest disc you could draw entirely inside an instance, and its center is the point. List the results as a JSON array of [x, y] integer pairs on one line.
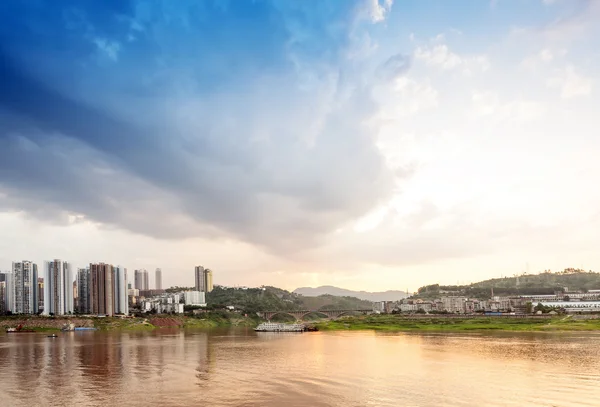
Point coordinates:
[[241, 368]]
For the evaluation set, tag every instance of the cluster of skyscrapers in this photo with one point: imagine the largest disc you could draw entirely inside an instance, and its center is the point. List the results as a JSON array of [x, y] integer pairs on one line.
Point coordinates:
[[100, 289]]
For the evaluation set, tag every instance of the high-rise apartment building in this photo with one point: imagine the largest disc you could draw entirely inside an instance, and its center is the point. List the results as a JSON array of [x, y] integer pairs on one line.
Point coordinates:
[[199, 277], [208, 280], [204, 279], [3, 308], [40, 288], [158, 279], [25, 277], [7, 292], [58, 288], [102, 289], [121, 298], [141, 279], [84, 305], [3, 302]]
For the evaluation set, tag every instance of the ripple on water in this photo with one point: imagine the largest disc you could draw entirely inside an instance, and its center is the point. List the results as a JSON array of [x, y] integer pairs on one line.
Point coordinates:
[[339, 369]]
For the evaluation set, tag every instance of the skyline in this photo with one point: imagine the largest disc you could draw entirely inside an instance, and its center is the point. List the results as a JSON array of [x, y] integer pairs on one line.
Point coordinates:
[[130, 278], [362, 144]]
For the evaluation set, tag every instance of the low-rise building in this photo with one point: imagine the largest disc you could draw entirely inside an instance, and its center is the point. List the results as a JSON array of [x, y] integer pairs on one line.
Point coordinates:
[[453, 305], [195, 298]]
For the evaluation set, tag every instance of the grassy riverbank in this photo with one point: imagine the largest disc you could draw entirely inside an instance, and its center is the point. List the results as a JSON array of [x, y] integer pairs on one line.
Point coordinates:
[[399, 323], [53, 324]]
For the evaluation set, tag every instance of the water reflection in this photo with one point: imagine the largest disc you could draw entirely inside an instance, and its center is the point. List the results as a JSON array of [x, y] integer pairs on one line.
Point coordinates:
[[201, 341], [238, 367]]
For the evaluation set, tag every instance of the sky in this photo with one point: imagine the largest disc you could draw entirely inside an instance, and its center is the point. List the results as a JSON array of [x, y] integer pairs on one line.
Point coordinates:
[[367, 144]]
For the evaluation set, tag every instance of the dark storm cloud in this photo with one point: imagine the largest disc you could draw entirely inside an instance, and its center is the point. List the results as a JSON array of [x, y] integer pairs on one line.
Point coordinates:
[[174, 119]]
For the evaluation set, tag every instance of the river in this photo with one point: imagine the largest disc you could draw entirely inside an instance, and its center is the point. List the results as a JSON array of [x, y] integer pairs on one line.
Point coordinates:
[[238, 367]]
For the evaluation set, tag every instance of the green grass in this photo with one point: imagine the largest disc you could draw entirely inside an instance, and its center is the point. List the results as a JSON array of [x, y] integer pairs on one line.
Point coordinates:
[[51, 324], [128, 324], [398, 323]]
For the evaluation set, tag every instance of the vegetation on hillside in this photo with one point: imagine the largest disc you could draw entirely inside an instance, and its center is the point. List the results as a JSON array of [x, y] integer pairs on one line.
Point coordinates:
[[546, 282], [252, 300]]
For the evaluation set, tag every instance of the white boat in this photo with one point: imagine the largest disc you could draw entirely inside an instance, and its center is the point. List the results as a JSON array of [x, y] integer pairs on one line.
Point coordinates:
[[276, 327]]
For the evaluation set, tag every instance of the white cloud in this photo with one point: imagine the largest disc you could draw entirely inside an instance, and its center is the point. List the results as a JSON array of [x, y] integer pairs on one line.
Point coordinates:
[[485, 103], [479, 63], [111, 49], [439, 55], [488, 103], [545, 57], [571, 84], [377, 10], [406, 97]]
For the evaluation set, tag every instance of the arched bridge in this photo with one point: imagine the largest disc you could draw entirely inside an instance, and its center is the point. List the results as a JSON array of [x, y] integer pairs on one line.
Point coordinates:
[[329, 313]]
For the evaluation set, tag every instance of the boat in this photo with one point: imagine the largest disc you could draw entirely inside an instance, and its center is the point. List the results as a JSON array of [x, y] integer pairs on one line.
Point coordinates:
[[84, 328], [276, 327], [53, 336]]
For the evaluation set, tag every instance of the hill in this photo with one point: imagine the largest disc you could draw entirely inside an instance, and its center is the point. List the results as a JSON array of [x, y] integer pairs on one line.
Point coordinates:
[[341, 292], [252, 300], [546, 282]]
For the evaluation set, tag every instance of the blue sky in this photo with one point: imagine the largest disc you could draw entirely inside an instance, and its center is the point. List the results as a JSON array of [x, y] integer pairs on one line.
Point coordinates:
[[300, 143]]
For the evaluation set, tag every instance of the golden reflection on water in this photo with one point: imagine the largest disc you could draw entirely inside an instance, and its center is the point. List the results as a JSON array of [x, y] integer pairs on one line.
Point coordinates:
[[242, 368]]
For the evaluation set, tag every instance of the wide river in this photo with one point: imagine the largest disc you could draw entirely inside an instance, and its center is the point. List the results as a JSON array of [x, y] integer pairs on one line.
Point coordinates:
[[241, 368]]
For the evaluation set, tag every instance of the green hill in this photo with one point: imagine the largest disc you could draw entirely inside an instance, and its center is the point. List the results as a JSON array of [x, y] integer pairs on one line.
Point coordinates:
[[252, 300], [543, 283]]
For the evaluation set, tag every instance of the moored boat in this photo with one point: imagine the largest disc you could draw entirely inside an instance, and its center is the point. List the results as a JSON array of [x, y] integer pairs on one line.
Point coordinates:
[[276, 327]]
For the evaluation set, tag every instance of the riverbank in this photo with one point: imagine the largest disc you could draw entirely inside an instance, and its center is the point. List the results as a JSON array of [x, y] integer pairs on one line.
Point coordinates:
[[53, 324], [400, 323]]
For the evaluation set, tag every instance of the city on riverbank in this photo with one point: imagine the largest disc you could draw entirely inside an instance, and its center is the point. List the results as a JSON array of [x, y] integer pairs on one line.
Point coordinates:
[[101, 298]]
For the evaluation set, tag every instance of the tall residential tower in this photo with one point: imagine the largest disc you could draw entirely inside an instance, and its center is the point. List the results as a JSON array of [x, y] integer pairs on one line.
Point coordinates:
[[121, 299], [25, 277], [204, 279], [102, 289], [84, 305], [141, 279], [58, 288], [158, 279]]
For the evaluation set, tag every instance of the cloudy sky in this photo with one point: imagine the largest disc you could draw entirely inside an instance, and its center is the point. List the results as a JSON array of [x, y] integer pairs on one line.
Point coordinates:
[[365, 144]]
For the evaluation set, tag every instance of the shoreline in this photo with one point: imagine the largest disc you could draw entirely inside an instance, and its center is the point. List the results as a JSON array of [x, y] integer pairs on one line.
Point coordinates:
[[42, 324], [395, 323], [381, 323]]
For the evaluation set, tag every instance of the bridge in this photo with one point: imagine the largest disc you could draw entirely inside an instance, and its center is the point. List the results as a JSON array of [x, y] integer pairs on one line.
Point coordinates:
[[328, 313]]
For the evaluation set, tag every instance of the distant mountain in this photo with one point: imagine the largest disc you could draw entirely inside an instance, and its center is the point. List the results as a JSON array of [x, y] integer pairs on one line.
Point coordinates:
[[341, 292]]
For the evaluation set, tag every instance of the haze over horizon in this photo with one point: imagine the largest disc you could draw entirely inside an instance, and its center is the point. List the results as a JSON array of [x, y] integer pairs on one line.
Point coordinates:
[[368, 144]]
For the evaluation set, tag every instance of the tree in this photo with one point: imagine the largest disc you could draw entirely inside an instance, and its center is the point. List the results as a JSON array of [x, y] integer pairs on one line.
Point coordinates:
[[529, 308]]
